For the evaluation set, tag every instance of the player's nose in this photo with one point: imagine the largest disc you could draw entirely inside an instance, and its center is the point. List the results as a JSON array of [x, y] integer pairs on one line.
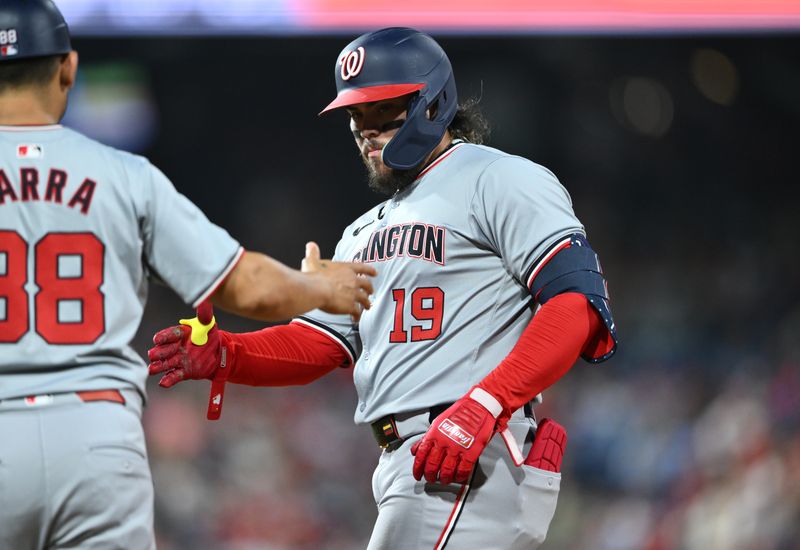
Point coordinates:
[[370, 133]]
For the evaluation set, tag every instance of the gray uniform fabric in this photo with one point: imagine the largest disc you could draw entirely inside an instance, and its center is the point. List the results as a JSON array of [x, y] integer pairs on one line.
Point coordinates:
[[74, 475], [454, 252], [491, 215], [146, 229], [82, 229]]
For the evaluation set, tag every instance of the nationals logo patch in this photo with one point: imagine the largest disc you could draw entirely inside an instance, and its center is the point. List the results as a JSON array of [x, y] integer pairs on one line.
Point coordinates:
[[454, 432], [352, 62]]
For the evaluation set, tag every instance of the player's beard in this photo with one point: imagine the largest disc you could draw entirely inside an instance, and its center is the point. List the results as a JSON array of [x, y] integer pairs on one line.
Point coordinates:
[[387, 181]]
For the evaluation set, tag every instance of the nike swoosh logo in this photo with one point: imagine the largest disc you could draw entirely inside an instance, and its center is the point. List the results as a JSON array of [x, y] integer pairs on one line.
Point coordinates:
[[358, 230]]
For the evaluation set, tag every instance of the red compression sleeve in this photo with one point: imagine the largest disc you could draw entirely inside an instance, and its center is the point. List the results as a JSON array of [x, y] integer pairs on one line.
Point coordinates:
[[285, 355], [564, 327]]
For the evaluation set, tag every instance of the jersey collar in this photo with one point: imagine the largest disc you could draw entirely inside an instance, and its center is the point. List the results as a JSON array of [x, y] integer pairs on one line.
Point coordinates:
[[453, 146], [30, 128]]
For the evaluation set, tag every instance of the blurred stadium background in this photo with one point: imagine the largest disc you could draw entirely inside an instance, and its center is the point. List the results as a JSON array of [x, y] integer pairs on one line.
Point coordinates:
[[673, 125]]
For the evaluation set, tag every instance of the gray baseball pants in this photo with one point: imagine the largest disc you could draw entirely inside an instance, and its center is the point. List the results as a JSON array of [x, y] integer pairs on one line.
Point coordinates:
[[503, 507], [74, 474]]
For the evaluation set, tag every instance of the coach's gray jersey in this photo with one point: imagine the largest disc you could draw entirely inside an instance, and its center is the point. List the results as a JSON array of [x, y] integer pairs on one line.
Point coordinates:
[[82, 226], [454, 253]]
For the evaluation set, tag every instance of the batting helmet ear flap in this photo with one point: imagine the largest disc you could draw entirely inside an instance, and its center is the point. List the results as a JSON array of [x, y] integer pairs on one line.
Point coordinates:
[[419, 135]]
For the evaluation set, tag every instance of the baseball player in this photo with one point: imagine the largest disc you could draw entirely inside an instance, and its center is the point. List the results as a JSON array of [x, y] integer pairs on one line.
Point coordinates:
[[82, 227], [488, 293]]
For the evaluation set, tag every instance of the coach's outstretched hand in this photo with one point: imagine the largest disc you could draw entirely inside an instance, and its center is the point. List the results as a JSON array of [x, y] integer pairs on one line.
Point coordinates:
[[189, 351], [347, 282], [451, 447]]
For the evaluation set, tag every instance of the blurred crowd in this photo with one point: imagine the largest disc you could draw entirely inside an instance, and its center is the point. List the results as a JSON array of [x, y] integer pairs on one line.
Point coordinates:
[[658, 461]]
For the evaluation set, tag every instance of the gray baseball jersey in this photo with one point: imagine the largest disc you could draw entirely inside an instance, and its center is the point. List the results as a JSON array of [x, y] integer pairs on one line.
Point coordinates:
[[454, 252], [82, 226]]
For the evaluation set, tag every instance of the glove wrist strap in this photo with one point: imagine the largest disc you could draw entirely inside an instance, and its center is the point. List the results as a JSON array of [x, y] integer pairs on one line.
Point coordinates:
[[492, 405], [217, 392], [489, 402]]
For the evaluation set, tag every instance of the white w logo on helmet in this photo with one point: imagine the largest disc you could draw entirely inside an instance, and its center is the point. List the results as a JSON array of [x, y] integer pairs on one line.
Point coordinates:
[[352, 62]]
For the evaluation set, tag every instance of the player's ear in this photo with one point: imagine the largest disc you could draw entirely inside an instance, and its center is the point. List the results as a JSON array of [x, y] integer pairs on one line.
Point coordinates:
[[68, 70]]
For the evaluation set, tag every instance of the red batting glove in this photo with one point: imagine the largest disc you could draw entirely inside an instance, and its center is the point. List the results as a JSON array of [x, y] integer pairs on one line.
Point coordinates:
[[547, 450], [178, 358], [193, 350], [456, 438]]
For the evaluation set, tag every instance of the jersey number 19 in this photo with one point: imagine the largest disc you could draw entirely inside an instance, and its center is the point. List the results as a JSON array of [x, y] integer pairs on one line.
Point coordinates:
[[427, 305]]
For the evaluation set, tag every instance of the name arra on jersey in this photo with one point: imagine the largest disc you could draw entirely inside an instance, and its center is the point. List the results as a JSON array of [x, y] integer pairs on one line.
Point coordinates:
[[413, 239], [52, 190]]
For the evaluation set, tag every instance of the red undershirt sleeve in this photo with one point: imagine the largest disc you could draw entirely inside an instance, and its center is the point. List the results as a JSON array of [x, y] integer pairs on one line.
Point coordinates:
[[295, 354], [285, 355], [564, 328]]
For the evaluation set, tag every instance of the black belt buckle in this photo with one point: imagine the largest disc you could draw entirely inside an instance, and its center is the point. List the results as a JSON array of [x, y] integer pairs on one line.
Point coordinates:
[[385, 432]]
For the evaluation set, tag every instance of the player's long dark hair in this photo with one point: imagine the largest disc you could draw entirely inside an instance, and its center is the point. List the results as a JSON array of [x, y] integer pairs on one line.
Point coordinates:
[[470, 124]]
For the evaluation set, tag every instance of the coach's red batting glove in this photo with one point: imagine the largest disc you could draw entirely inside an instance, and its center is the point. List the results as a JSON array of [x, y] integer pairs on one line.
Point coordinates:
[[456, 438], [188, 351], [192, 350]]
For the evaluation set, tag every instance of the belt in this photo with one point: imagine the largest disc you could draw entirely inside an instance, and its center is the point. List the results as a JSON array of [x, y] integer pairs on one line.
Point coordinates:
[[385, 429], [101, 395], [68, 398]]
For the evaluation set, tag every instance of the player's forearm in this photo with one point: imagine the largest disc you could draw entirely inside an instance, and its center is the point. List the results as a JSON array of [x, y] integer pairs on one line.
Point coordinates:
[[263, 288], [287, 355], [547, 349]]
